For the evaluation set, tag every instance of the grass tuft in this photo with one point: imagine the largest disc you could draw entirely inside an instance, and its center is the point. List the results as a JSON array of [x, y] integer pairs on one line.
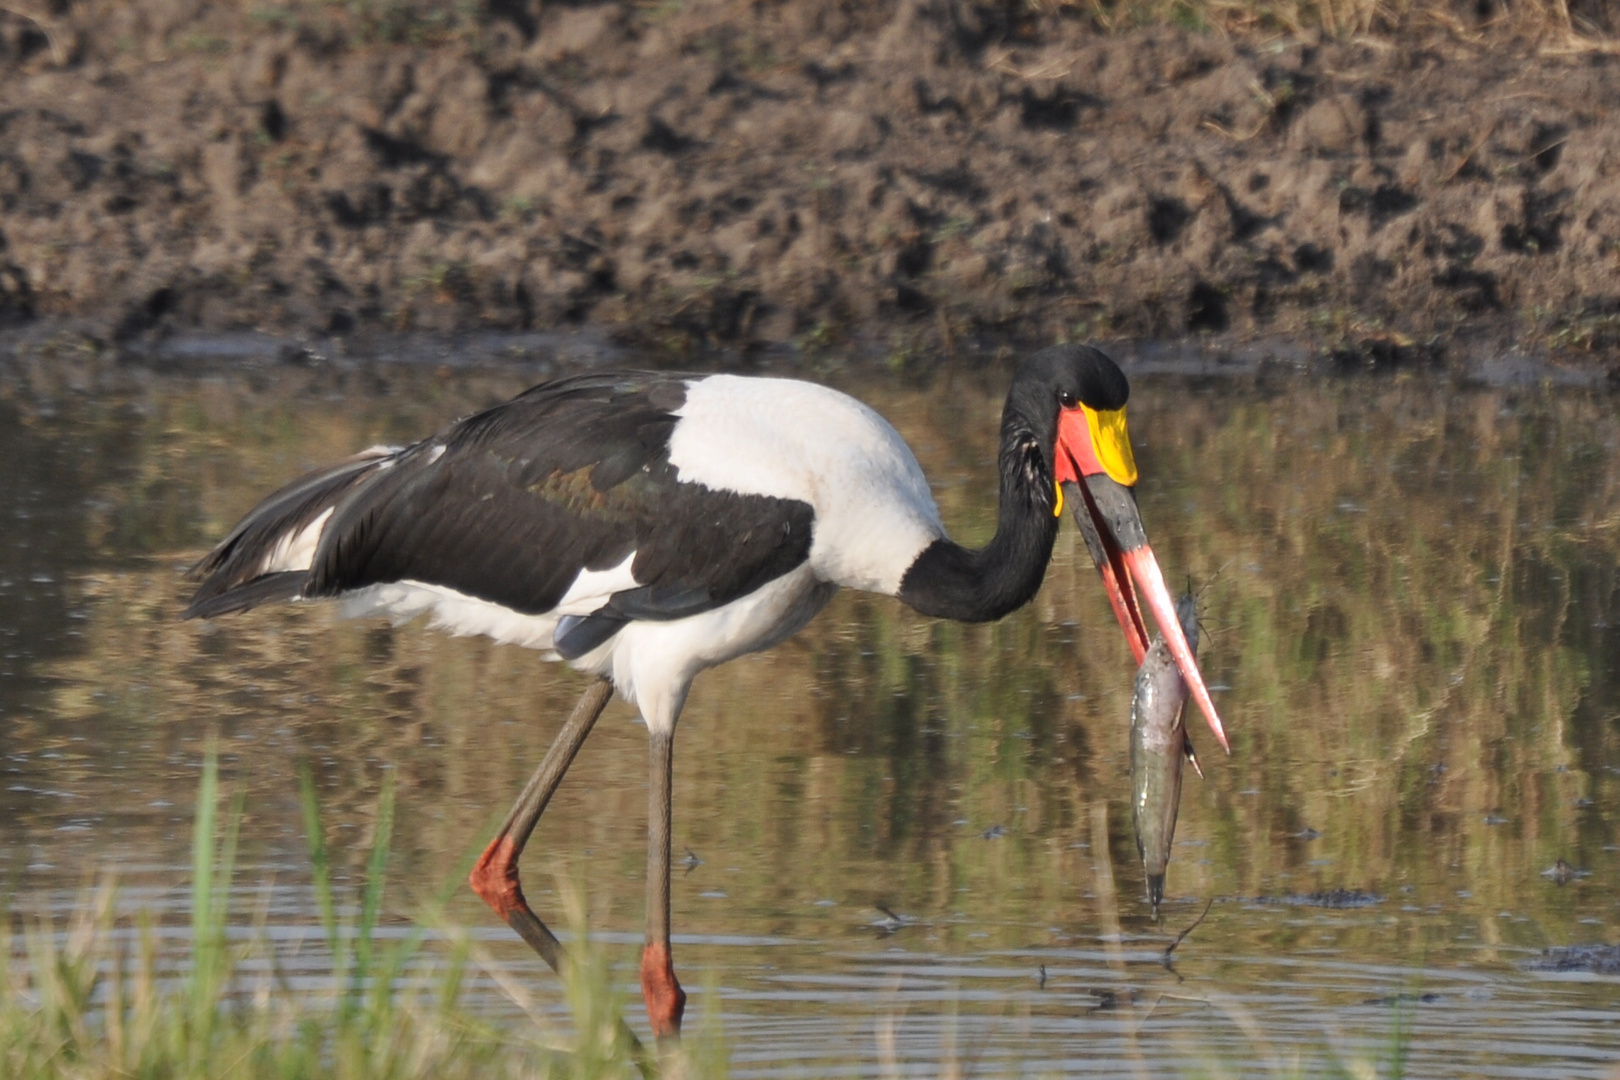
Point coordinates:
[[105, 997]]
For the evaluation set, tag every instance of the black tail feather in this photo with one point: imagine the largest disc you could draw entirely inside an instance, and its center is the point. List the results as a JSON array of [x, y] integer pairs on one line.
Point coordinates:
[[235, 573], [269, 589]]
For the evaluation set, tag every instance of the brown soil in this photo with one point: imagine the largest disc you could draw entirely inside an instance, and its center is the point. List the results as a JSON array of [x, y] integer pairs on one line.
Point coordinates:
[[716, 171]]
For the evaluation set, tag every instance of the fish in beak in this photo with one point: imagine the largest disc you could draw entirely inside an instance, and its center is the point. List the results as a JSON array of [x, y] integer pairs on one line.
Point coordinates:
[[1096, 473], [1160, 750]]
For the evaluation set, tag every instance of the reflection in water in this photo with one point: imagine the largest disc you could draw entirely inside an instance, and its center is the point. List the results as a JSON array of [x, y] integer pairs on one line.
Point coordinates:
[[1412, 601]]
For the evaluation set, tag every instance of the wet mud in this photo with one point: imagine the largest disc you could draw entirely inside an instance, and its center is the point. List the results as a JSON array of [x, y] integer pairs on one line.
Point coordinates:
[[706, 174]]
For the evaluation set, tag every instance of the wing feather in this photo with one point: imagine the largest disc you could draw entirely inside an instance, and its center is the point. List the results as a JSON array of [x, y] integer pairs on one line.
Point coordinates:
[[260, 544], [568, 479], [517, 506]]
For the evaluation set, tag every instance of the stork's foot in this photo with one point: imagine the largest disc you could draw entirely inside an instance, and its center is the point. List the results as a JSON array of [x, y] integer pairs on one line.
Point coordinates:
[[666, 1001], [494, 878]]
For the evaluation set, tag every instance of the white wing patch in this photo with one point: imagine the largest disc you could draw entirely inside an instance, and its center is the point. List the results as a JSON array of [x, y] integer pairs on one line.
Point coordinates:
[[592, 588], [796, 440], [296, 550]]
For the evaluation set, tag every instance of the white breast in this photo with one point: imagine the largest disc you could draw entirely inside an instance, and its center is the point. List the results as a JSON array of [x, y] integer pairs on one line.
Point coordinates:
[[796, 440], [653, 663]]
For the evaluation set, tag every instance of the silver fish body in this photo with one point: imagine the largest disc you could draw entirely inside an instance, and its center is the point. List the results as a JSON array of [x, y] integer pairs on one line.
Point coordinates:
[[1159, 750]]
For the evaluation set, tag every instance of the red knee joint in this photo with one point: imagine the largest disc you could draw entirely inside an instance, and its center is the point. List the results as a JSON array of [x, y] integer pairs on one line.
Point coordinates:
[[494, 877], [666, 1001]]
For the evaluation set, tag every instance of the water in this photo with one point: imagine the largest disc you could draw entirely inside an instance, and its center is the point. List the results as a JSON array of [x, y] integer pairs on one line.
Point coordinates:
[[1412, 611]]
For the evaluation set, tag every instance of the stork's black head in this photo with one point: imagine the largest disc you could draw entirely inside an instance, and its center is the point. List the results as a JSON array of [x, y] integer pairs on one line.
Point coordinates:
[[1071, 399], [1067, 403], [1062, 377]]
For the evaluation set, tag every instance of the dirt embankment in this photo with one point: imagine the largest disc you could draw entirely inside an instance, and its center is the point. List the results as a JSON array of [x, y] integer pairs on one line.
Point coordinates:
[[751, 173]]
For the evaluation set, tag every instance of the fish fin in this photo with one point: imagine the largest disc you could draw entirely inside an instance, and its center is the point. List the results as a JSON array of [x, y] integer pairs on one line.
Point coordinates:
[[1192, 758]]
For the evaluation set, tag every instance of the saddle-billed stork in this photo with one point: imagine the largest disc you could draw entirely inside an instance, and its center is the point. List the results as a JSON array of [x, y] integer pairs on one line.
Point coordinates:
[[645, 526]]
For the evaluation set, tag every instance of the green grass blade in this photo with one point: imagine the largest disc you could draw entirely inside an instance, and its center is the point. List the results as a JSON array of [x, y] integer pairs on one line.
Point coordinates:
[[202, 850], [376, 875], [320, 867], [201, 983]]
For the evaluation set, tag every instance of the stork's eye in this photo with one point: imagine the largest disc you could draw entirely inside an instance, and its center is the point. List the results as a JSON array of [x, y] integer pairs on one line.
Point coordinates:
[[1068, 399]]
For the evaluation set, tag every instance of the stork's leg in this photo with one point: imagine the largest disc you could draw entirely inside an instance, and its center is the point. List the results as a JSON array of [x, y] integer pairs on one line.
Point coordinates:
[[495, 876], [664, 996]]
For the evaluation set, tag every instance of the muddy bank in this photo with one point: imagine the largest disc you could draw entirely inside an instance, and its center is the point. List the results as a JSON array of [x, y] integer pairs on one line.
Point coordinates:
[[709, 173]]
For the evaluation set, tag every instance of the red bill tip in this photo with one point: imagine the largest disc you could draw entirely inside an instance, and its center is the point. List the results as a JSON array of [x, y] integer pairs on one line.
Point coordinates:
[[1144, 569]]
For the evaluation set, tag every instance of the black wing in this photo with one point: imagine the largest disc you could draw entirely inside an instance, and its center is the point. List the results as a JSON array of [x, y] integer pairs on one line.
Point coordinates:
[[240, 560], [511, 504]]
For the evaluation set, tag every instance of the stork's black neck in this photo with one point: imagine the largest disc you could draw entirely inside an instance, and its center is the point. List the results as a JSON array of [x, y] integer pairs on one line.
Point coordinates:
[[950, 581], [953, 582]]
